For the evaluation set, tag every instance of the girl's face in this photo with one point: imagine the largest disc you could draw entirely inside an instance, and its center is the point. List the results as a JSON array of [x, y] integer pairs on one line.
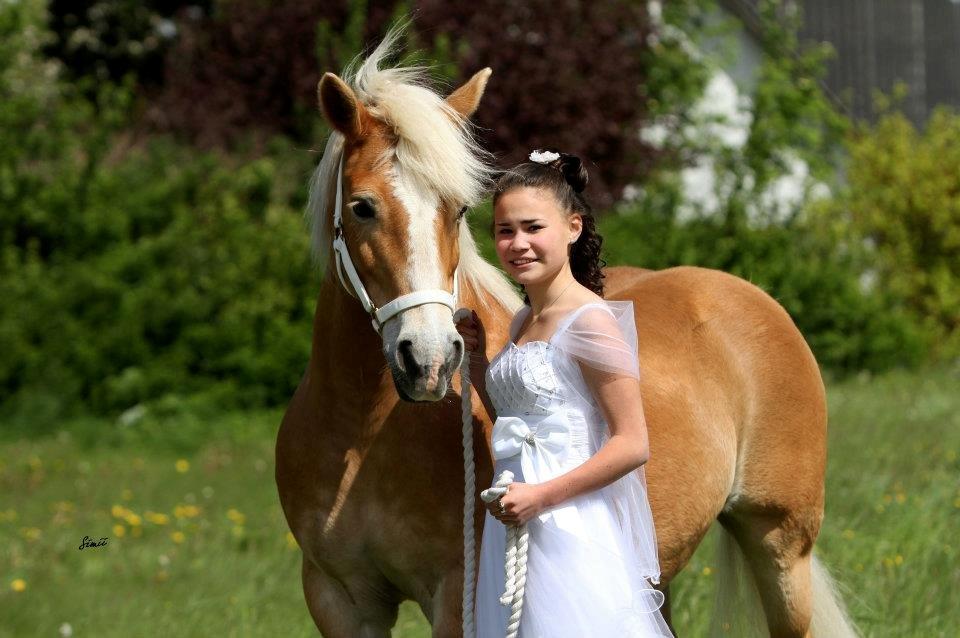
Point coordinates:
[[532, 234]]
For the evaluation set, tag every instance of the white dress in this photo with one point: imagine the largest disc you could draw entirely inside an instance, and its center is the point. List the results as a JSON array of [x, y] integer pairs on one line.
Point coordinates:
[[591, 560]]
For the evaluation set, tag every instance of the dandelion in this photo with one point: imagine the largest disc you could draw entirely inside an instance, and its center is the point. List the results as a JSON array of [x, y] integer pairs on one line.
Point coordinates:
[[178, 537], [31, 533], [118, 511], [291, 541], [183, 466], [887, 561], [898, 559], [186, 511], [18, 584], [707, 571], [157, 518], [236, 516], [119, 531], [901, 498], [132, 519]]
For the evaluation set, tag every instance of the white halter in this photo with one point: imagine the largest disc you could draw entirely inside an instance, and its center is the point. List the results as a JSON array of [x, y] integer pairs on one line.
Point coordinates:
[[379, 316]]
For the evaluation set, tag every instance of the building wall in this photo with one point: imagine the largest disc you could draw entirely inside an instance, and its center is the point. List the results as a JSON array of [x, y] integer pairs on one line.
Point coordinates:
[[881, 42]]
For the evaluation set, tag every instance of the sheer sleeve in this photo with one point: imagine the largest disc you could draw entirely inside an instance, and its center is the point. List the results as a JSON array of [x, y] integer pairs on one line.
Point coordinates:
[[603, 336]]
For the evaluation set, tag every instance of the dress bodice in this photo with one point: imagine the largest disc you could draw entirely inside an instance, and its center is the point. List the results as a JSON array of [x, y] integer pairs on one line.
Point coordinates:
[[522, 380], [546, 417]]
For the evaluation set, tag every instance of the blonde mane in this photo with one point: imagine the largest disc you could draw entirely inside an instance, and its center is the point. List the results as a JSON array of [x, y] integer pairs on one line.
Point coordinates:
[[435, 146]]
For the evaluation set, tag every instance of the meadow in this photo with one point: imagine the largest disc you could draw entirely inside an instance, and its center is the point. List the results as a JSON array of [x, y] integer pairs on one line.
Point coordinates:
[[197, 544]]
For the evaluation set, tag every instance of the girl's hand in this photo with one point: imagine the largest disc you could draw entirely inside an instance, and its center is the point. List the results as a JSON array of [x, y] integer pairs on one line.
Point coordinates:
[[522, 502], [474, 342]]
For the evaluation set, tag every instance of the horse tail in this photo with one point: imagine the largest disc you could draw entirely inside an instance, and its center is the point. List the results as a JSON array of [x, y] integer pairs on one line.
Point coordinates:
[[830, 618], [738, 611]]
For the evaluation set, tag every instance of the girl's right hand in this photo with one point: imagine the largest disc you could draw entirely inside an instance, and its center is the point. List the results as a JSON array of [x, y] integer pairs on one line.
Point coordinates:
[[473, 335]]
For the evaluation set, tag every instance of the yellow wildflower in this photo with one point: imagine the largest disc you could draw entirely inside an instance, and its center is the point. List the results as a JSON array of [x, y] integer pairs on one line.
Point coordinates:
[[186, 511], [18, 584], [31, 533], [707, 571], [178, 537], [157, 518], [183, 466], [119, 531], [236, 516]]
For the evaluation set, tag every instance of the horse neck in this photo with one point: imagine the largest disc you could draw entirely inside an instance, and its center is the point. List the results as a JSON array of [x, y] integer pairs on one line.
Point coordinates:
[[346, 349]]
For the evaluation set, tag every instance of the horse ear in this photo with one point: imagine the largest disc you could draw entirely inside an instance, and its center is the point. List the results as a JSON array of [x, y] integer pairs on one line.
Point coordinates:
[[466, 99], [339, 105]]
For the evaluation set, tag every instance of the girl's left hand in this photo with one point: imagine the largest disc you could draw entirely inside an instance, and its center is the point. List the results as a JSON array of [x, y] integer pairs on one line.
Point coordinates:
[[522, 502]]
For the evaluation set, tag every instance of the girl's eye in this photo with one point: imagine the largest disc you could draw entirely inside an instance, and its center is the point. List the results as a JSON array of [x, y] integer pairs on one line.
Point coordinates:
[[530, 227]]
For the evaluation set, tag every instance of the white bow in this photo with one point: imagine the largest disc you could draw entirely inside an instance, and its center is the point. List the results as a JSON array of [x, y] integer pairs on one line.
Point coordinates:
[[542, 443]]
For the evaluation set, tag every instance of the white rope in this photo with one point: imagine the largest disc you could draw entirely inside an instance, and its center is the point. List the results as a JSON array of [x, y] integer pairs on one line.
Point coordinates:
[[515, 562]]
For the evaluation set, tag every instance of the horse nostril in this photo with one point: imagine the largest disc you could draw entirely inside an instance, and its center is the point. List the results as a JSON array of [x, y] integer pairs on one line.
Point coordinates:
[[406, 361]]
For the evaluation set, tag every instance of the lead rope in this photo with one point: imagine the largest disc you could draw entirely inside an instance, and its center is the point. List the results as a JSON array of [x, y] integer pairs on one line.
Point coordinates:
[[515, 560]]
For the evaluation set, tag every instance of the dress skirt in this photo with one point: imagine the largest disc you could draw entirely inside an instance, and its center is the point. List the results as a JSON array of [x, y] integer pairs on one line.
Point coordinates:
[[580, 581]]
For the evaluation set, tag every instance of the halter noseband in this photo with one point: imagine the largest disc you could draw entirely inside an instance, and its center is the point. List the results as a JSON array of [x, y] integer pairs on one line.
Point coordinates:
[[379, 316]]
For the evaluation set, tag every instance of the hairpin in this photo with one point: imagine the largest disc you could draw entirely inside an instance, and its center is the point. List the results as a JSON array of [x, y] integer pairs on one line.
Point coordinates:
[[544, 157]]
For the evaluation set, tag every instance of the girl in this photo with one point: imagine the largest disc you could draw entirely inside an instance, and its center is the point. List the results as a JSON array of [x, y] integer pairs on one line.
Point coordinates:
[[570, 424]]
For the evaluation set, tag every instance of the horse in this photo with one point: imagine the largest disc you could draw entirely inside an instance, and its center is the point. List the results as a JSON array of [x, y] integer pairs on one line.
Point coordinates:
[[369, 469]]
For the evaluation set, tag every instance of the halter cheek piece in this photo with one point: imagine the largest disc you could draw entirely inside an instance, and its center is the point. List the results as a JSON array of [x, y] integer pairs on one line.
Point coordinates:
[[379, 316]]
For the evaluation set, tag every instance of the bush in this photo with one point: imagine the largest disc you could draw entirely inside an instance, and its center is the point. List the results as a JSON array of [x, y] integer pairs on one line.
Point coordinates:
[[903, 200]]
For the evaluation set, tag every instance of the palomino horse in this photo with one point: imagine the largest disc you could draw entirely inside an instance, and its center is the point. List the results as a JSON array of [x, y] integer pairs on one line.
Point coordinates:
[[368, 457]]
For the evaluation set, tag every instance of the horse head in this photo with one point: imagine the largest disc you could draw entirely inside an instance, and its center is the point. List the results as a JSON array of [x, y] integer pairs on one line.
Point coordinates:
[[390, 195]]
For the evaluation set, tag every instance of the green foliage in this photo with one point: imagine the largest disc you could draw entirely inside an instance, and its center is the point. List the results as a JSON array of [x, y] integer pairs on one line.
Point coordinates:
[[198, 282], [793, 135], [128, 275], [903, 199]]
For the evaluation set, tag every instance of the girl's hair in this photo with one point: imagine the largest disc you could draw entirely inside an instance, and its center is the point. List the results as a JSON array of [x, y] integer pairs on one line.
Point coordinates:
[[565, 177]]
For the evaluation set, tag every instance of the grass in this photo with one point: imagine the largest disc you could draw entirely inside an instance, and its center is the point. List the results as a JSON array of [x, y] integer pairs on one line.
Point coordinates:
[[198, 545]]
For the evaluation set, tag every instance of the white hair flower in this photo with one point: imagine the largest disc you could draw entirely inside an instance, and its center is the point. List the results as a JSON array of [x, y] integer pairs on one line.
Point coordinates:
[[544, 157]]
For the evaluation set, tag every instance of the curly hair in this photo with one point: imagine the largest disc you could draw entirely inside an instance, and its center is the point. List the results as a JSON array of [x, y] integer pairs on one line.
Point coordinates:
[[565, 177]]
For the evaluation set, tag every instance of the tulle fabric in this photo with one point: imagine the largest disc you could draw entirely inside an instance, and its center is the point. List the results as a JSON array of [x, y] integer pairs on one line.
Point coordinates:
[[578, 584], [592, 562]]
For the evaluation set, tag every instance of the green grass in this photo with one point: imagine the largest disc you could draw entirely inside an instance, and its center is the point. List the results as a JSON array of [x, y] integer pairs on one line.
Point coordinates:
[[890, 533]]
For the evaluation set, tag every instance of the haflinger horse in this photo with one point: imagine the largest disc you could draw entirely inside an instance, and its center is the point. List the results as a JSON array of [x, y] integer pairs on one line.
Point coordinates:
[[369, 462]]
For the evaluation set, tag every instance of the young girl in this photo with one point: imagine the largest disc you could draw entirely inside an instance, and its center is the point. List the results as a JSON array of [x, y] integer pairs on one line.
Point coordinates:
[[570, 424]]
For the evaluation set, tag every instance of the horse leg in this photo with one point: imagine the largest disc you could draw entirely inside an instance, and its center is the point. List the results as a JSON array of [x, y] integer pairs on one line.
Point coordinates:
[[338, 614], [777, 548], [446, 612], [665, 609]]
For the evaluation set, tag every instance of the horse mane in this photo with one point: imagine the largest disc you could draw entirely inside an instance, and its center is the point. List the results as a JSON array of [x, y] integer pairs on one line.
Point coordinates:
[[436, 146]]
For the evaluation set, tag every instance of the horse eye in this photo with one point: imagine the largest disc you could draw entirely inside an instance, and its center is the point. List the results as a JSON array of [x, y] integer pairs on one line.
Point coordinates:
[[363, 208], [463, 211]]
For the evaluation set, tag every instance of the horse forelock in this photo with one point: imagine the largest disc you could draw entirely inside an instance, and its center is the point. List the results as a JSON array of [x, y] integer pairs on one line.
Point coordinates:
[[435, 149]]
